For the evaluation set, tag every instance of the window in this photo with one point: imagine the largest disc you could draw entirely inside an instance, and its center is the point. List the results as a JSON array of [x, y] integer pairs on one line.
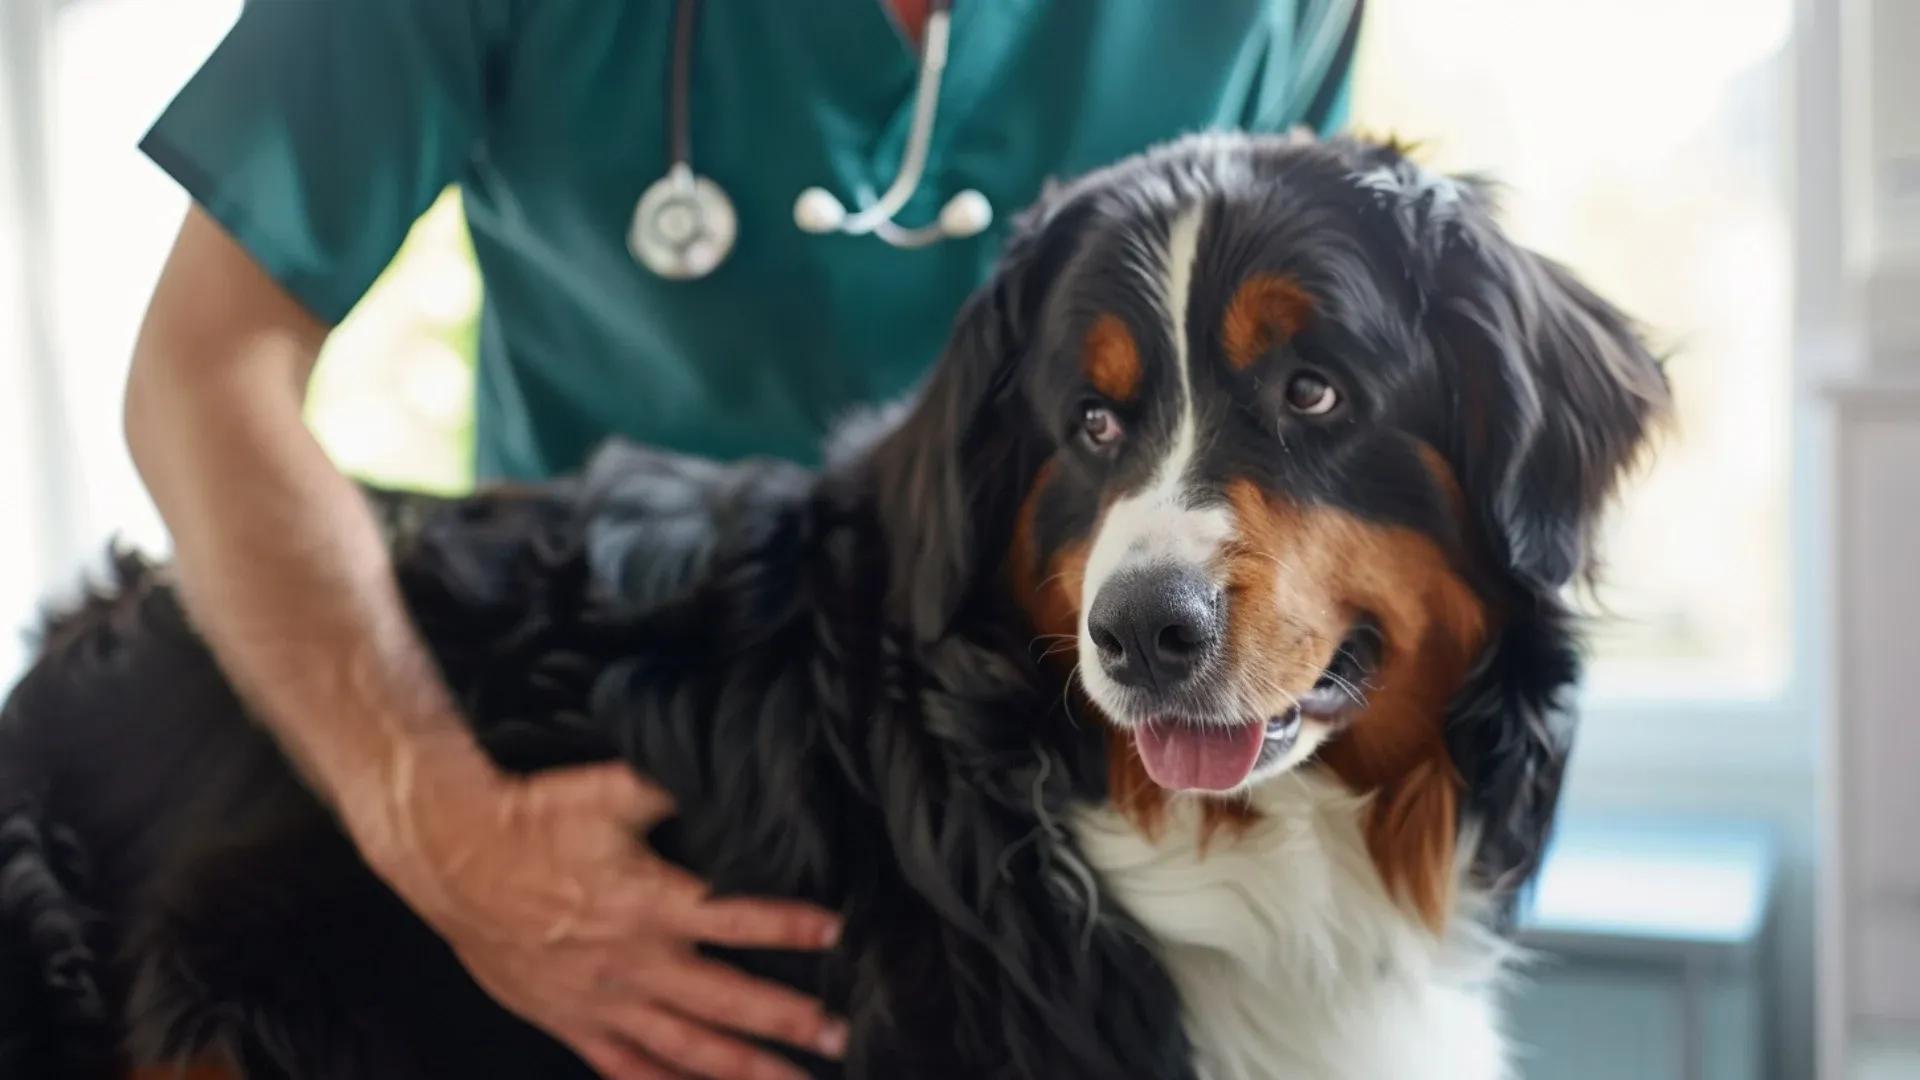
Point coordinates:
[[392, 399], [1644, 143]]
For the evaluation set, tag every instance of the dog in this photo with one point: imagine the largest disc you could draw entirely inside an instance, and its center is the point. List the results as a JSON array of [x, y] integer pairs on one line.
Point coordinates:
[[1175, 686]]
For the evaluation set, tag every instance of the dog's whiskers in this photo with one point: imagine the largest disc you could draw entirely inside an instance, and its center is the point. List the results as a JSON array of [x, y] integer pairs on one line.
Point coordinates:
[[1061, 643], [1050, 579], [1066, 695], [1056, 650], [1354, 693]]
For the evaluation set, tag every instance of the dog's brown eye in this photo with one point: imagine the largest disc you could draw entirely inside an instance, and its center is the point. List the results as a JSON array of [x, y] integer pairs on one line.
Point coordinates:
[[1311, 395], [1100, 427]]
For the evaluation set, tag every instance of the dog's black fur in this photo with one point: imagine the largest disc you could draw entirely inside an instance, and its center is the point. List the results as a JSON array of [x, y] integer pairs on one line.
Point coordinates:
[[815, 752], [826, 671]]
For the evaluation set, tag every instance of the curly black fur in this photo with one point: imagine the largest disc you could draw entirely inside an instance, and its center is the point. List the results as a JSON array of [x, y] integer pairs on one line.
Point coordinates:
[[53, 1015], [817, 753]]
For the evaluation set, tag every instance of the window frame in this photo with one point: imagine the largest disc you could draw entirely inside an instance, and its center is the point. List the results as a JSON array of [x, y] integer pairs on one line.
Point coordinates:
[[1626, 741]]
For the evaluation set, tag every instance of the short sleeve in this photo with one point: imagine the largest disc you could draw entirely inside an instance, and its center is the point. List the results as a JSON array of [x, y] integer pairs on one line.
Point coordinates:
[[320, 129], [1311, 86]]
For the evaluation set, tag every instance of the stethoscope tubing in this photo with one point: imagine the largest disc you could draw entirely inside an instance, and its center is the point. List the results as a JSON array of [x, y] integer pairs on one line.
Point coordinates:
[[913, 160], [683, 227]]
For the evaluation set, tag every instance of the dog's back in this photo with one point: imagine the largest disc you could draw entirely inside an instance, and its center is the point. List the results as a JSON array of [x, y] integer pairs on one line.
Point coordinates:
[[157, 851], [52, 1018], [118, 746], [716, 626], [163, 871]]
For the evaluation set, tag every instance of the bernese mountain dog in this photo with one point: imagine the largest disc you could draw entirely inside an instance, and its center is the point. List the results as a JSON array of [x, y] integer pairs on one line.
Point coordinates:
[[1175, 686]]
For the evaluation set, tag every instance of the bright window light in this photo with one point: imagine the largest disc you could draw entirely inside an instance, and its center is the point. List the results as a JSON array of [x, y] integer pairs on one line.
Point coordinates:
[[1644, 143]]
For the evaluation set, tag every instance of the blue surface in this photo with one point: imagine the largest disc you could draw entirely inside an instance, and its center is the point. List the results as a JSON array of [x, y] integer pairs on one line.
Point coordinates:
[[1681, 880]]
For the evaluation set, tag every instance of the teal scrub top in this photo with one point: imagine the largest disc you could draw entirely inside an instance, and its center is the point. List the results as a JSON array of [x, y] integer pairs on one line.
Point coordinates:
[[319, 130]]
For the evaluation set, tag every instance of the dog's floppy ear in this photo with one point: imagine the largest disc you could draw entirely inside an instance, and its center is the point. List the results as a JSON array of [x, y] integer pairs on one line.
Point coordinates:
[[952, 474], [1553, 394], [1554, 390], [1509, 732], [1556, 394]]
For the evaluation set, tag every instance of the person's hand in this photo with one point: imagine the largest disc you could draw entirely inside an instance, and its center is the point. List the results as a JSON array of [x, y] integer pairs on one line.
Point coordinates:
[[544, 889]]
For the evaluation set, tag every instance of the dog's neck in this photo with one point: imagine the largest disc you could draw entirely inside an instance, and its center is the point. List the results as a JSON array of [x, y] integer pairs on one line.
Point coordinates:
[[1292, 957], [1408, 808]]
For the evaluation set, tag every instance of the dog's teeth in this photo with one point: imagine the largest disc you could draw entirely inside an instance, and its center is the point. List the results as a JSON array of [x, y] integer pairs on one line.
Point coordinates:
[[1281, 726]]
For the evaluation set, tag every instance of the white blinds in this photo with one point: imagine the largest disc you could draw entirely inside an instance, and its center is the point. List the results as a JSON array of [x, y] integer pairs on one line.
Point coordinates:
[[36, 518]]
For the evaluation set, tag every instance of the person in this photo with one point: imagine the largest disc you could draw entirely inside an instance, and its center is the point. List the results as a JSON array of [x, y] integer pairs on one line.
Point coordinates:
[[310, 141]]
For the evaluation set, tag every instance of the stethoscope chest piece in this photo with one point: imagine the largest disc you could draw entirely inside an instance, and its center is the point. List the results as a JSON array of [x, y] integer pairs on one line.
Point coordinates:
[[684, 226]]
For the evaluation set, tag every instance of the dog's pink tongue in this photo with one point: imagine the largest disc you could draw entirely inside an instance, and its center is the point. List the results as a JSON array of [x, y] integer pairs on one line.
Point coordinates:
[[1194, 757]]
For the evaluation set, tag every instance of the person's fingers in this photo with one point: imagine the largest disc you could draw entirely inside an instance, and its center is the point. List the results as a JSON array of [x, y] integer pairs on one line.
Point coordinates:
[[687, 1046], [651, 893], [637, 897], [720, 995], [614, 789], [614, 1061], [748, 923], [659, 896]]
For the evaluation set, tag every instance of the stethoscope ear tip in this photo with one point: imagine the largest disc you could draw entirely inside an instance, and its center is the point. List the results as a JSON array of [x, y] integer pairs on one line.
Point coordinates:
[[968, 213], [816, 211]]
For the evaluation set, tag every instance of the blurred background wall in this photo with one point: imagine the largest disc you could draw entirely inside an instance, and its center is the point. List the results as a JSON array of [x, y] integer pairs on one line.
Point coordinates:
[[1743, 175], [1872, 930]]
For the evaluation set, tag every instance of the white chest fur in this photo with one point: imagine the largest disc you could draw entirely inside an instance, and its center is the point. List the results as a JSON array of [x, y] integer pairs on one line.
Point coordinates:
[[1292, 960]]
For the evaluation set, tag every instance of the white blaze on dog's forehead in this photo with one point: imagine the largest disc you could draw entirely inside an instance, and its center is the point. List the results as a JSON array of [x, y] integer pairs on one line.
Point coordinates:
[[1183, 249], [1159, 523]]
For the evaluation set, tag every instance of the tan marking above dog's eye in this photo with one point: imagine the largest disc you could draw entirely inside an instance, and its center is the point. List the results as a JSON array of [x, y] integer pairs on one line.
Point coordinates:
[[1111, 359], [1310, 394], [1265, 310]]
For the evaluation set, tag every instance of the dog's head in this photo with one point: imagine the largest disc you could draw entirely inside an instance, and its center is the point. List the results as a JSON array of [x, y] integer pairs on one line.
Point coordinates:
[[1286, 445]]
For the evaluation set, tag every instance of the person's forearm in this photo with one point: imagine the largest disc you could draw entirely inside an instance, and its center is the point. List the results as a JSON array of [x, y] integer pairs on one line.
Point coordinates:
[[539, 884], [284, 572]]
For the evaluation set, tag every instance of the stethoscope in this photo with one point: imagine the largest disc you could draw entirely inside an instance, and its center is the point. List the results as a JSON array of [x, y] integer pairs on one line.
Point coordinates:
[[685, 226]]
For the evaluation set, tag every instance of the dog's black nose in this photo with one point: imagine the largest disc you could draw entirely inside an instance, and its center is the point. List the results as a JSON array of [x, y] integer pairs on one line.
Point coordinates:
[[1155, 627]]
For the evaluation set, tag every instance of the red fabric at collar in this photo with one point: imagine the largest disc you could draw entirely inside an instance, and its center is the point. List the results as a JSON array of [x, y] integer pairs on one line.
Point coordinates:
[[911, 15]]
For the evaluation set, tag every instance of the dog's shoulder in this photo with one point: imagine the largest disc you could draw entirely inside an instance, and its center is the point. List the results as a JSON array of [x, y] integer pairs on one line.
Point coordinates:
[[656, 524]]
